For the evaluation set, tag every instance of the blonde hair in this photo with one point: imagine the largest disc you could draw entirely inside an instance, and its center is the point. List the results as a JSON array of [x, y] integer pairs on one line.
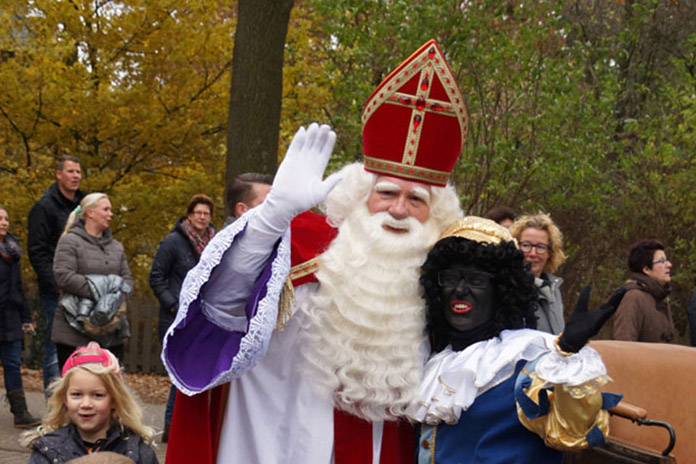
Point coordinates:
[[88, 202], [126, 411], [102, 457], [543, 221]]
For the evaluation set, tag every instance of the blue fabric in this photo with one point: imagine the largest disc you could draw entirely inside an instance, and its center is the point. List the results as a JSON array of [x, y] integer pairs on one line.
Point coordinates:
[[595, 437], [489, 432], [531, 409], [609, 400], [11, 358], [424, 443], [51, 370], [169, 410]]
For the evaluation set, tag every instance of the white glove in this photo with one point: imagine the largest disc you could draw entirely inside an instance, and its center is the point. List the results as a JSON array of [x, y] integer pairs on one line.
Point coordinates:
[[298, 184]]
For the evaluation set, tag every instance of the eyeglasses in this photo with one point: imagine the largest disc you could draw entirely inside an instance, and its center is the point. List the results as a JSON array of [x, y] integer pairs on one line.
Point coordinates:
[[541, 249], [661, 261], [201, 213], [474, 279]]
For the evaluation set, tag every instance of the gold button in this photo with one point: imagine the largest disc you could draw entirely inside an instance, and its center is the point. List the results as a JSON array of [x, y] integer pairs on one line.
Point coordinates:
[[425, 444]]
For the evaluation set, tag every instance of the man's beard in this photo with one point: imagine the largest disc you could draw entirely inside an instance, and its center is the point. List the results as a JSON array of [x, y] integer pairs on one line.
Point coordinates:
[[364, 337]]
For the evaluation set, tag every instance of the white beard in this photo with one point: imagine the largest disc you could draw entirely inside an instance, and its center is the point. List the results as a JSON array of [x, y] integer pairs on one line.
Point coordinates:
[[364, 338]]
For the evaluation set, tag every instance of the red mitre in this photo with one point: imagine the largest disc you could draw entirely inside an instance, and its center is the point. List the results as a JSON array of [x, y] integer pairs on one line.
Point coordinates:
[[414, 123], [311, 236]]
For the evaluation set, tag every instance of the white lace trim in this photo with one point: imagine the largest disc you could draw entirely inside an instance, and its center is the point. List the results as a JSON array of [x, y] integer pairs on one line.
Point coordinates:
[[255, 343], [453, 380]]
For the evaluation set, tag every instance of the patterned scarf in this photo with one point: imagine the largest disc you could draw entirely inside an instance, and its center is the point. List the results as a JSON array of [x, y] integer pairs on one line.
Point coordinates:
[[196, 240], [9, 249]]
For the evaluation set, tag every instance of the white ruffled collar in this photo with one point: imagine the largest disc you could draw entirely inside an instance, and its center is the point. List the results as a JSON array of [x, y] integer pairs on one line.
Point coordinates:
[[453, 380]]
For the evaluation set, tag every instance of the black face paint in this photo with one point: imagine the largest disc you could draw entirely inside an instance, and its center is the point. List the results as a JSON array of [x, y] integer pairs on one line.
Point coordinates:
[[467, 296]]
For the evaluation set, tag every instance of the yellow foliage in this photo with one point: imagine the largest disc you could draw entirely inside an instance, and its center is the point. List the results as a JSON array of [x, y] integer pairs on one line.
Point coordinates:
[[137, 91]]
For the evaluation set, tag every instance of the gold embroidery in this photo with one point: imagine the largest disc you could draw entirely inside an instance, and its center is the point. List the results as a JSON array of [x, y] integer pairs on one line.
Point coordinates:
[[405, 170], [304, 269], [432, 445]]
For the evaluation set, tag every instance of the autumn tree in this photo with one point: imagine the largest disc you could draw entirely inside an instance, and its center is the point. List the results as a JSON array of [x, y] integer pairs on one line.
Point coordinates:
[[584, 109], [137, 90]]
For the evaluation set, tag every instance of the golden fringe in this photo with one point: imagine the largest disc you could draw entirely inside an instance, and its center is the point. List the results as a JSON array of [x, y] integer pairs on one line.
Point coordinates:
[[285, 304]]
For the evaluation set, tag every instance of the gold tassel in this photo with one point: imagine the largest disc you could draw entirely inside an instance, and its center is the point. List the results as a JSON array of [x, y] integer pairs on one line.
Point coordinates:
[[285, 305]]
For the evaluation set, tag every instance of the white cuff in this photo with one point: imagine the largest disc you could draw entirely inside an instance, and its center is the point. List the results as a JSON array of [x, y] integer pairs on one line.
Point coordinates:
[[224, 320]]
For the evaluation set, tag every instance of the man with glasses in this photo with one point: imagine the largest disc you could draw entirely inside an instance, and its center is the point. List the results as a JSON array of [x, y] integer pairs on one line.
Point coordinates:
[[645, 315], [542, 243]]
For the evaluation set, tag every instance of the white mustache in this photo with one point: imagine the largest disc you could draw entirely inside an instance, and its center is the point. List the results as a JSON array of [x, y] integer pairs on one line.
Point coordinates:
[[390, 221]]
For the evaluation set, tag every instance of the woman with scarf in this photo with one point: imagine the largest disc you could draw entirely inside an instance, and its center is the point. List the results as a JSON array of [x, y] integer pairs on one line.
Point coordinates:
[[15, 318], [86, 250], [177, 254]]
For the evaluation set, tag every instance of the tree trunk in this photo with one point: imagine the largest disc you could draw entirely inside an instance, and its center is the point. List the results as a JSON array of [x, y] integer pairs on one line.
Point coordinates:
[[257, 86]]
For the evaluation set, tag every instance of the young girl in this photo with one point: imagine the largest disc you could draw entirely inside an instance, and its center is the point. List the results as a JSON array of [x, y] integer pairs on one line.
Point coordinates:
[[91, 410]]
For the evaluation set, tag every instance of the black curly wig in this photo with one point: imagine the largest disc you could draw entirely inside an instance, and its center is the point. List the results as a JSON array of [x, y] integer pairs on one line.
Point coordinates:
[[514, 293]]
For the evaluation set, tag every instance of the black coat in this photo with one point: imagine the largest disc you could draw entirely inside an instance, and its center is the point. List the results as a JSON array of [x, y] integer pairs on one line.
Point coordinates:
[[691, 313], [14, 310], [47, 220], [175, 257], [65, 444]]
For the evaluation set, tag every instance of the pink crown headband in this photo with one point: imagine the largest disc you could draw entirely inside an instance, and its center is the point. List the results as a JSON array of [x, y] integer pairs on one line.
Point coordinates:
[[91, 354]]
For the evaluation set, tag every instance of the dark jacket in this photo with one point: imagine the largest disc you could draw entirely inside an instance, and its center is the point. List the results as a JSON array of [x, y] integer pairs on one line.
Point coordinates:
[[691, 313], [65, 444], [644, 314], [175, 257], [14, 310], [47, 220], [77, 255]]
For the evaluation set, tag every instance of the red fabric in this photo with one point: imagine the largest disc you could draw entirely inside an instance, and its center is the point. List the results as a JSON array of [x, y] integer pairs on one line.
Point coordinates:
[[414, 123], [357, 449], [398, 443], [190, 431], [353, 441], [218, 405], [196, 426], [311, 236]]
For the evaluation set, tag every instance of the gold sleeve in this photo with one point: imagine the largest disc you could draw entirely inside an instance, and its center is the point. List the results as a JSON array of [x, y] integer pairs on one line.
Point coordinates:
[[564, 419]]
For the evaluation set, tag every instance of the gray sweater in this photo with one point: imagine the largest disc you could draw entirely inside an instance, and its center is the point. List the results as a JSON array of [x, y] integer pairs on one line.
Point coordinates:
[[549, 313]]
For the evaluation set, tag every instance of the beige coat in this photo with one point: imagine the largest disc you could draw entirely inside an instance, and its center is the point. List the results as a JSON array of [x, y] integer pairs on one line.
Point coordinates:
[[77, 255]]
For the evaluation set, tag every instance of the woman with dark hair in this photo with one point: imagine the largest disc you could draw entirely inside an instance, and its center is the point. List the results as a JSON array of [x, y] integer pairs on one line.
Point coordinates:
[[177, 253], [15, 318], [493, 380]]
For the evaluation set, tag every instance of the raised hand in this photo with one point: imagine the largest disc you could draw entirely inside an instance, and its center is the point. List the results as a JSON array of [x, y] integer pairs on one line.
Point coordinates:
[[298, 184], [583, 324]]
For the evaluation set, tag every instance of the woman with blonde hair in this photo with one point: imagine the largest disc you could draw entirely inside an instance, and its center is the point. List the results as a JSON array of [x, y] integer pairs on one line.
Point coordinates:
[[90, 410], [92, 272], [542, 243]]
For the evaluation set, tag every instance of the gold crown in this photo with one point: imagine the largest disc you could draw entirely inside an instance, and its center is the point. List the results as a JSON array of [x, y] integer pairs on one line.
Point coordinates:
[[479, 230]]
